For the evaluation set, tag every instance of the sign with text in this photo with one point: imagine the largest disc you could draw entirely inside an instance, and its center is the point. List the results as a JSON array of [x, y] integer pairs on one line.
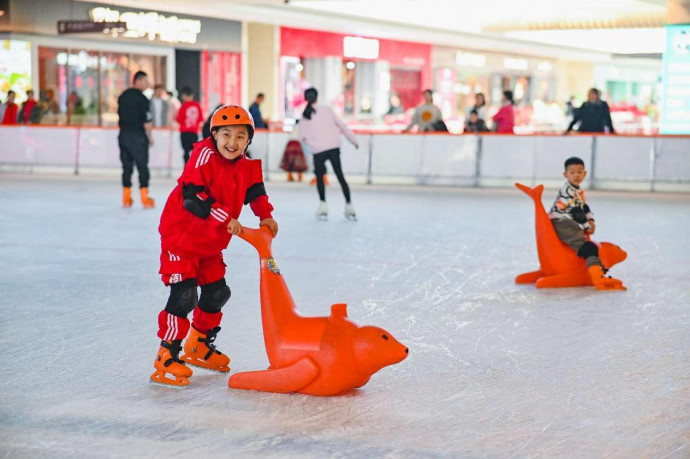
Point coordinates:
[[152, 25], [675, 99], [90, 27]]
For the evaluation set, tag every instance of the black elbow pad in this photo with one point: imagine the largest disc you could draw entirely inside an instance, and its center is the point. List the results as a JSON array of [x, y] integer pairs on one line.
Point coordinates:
[[196, 201], [254, 191]]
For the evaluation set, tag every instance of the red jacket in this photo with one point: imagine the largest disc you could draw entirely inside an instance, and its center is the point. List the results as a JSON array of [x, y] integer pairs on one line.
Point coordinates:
[[190, 117], [10, 114], [505, 119], [224, 181]]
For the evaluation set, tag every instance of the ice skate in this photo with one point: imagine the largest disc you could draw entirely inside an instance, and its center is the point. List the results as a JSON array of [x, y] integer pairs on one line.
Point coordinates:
[[147, 202], [127, 200], [200, 351], [350, 212], [322, 211], [167, 361], [601, 282]]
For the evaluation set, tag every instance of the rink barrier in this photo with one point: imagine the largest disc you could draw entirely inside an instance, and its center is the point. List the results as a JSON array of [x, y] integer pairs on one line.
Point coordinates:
[[621, 162]]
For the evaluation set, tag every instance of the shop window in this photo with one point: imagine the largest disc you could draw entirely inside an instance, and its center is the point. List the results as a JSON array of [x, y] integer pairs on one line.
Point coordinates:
[[115, 78], [52, 81], [84, 89]]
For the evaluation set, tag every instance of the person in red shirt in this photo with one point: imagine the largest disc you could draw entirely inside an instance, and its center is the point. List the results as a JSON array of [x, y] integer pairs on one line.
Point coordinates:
[[189, 117], [197, 223], [504, 119], [29, 104], [10, 114]]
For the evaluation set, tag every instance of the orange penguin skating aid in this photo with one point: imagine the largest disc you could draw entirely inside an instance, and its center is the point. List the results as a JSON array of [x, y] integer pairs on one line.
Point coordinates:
[[311, 355], [560, 265]]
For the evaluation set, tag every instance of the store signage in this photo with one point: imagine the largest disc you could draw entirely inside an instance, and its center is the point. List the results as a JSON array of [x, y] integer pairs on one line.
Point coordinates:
[[361, 48], [463, 59], [170, 29], [515, 63], [545, 66], [89, 27], [675, 77]]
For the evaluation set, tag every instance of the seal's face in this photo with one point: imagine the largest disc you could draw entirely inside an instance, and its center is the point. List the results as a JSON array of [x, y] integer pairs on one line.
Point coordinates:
[[376, 348]]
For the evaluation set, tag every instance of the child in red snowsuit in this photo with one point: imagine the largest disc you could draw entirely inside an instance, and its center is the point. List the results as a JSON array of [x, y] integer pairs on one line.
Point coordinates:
[[197, 223]]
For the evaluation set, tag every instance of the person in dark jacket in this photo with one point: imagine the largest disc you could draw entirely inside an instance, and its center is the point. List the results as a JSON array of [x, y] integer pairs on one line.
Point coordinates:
[[593, 115]]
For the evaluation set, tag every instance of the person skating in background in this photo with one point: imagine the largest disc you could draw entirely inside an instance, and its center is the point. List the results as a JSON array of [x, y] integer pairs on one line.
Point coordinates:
[[8, 110], [593, 116], [504, 119], [573, 221], [189, 117], [475, 124], [197, 223], [160, 107], [320, 129], [255, 110], [134, 112], [29, 106], [426, 116], [174, 104], [293, 158]]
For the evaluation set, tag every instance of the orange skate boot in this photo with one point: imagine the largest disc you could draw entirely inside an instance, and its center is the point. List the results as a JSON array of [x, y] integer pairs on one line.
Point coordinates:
[[602, 282], [200, 351], [147, 202], [127, 200], [167, 361]]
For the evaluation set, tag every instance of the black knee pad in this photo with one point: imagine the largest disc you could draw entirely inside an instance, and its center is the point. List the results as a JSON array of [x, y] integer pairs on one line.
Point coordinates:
[[214, 296], [588, 249], [183, 298]]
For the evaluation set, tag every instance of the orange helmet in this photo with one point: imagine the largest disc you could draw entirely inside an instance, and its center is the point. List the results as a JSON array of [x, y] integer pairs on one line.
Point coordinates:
[[232, 115]]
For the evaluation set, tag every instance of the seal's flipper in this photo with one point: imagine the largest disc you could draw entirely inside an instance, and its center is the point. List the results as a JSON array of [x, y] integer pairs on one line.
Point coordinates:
[[530, 277], [281, 380], [571, 279]]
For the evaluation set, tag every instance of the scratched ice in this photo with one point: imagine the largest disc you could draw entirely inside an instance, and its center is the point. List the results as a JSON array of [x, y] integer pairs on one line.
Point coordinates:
[[495, 369]]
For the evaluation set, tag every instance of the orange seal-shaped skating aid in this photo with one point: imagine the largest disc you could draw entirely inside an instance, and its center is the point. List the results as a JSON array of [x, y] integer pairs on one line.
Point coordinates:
[[560, 265], [311, 355]]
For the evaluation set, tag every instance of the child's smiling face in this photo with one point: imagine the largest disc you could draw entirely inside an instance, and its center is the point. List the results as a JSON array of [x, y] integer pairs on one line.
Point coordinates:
[[575, 174], [231, 141]]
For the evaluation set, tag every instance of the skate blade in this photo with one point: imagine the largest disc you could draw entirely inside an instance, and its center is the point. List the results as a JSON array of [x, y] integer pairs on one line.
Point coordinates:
[[205, 366], [322, 218], [158, 378], [352, 218]]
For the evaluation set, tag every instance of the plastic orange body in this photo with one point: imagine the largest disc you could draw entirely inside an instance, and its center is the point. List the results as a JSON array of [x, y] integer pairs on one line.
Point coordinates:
[[560, 265], [311, 355]]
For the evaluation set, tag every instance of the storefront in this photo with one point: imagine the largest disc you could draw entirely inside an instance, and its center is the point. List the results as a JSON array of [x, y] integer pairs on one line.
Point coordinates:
[[363, 78], [79, 76], [460, 74]]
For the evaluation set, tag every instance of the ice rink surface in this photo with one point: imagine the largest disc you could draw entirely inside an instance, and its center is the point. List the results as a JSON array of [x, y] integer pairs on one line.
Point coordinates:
[[495, 369]]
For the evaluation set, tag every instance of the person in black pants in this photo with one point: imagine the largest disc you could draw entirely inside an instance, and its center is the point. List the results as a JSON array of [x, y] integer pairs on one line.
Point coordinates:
[[320, 129], [135, 118], [593, 116]]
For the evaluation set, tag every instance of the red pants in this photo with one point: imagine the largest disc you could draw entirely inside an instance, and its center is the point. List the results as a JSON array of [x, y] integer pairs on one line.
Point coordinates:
[[175, 269]]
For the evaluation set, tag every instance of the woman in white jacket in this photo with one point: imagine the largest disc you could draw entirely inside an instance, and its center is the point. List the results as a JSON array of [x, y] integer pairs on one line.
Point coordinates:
[[320, 129]]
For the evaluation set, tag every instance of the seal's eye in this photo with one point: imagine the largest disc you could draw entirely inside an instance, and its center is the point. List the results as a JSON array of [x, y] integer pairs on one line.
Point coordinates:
[[384, 337]]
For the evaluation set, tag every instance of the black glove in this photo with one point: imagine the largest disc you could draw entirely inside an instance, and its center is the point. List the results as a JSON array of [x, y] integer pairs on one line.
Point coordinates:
[[579, 215]]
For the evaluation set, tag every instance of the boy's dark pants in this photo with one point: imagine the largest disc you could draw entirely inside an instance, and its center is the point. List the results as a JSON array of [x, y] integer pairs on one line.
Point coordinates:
[[188, 139], [573, 236]]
